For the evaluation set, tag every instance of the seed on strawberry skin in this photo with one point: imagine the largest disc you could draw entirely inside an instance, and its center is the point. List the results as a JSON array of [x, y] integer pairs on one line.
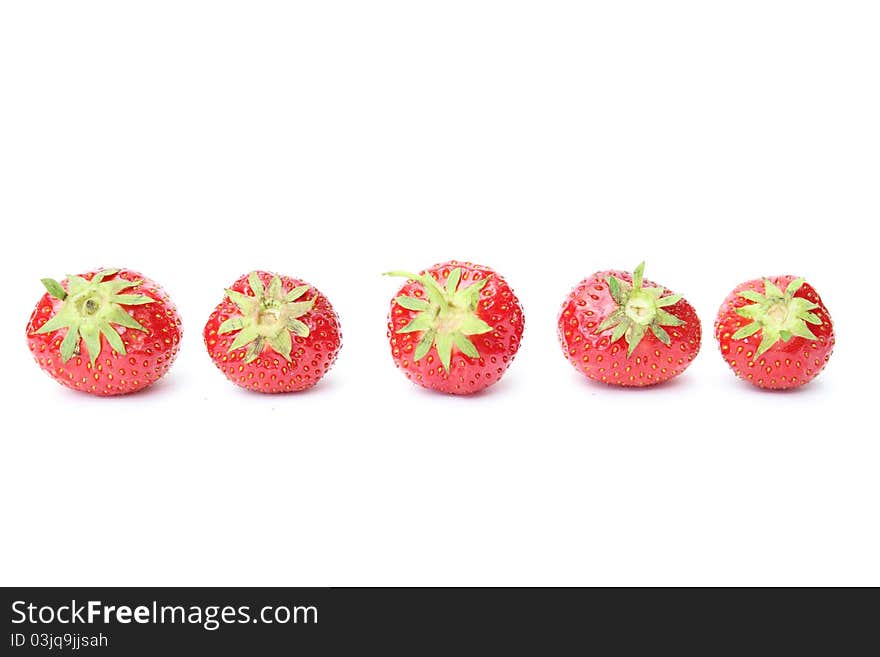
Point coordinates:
[[775, 332]]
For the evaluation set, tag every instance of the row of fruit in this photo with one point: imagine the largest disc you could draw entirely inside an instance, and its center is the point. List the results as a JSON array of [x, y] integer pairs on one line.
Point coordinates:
[[455, 328]]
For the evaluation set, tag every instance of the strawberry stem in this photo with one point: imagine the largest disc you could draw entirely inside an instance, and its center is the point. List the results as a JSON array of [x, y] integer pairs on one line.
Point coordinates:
[[90, 309], [777, 315], [267, 317], [446, 317], [639, 310]]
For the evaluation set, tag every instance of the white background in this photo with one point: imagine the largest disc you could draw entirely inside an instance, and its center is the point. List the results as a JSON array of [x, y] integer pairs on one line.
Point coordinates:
[[334, 141]]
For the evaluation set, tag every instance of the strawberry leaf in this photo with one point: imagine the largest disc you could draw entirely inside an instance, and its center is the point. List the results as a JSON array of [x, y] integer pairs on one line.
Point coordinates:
[[54, 288]]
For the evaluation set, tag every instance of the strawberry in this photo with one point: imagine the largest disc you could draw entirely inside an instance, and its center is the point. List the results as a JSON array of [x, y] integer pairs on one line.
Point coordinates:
[[455, 327], [273, 333], [105, 332], [622, 329], [775, 332]]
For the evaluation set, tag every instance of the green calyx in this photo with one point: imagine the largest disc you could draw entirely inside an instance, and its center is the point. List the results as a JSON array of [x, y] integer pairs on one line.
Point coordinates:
[[269, 317], [446, 315], [639, 310], [778, 315], [90, 310]]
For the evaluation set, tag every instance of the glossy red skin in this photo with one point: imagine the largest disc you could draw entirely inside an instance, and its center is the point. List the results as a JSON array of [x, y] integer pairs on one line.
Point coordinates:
[[148, 356], [310, 358], [786, 364], [498, 307], [595, 356]]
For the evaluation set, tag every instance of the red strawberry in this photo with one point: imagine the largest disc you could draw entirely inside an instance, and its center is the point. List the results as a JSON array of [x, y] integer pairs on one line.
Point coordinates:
[[774, 338], [455, 327], [624, 330], [106, 332], [273, 333]]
